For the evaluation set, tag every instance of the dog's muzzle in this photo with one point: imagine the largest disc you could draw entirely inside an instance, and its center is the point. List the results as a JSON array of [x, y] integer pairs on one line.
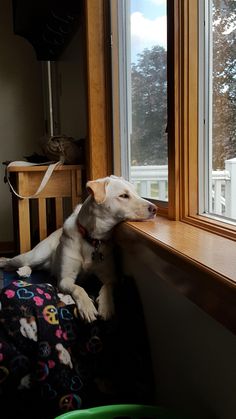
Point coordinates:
[[152, 209]]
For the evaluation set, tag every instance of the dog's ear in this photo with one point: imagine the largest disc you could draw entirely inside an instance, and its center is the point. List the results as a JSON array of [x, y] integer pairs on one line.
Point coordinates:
[[97, 188]]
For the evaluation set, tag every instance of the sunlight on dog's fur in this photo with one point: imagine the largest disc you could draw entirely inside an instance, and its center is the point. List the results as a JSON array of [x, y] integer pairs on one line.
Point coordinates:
[[84, 245]]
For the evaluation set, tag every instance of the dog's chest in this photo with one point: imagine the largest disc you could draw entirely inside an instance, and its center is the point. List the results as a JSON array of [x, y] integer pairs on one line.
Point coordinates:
[[92, 257]]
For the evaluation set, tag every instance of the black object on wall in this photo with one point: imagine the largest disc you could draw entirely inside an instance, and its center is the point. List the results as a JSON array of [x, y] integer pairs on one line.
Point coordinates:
[[48, 25]]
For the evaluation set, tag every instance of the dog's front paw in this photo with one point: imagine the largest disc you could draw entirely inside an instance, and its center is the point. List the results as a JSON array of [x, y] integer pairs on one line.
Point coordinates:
[[106, 310], [24, 272], [86, 308], [87, 312], [106, 307]]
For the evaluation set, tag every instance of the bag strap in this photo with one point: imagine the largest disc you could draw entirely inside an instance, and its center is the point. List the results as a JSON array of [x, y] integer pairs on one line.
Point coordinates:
[[46, 177]]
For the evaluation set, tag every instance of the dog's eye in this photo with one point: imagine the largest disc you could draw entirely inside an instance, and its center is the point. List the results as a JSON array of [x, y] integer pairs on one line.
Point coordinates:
[[125, 196]]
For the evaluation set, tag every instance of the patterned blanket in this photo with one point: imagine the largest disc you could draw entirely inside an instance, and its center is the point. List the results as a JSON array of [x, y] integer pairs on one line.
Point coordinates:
[[52, 362]]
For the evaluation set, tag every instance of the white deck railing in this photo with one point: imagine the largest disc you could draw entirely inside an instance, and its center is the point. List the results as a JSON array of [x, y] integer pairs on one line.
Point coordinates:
[[152, 182]]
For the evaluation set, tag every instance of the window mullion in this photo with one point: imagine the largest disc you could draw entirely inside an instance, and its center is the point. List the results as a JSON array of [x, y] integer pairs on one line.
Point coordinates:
[[125, 110], [205, 108], [208, 93]]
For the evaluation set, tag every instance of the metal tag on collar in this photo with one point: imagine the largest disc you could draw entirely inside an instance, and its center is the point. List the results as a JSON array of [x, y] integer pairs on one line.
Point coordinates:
[[97, 256]]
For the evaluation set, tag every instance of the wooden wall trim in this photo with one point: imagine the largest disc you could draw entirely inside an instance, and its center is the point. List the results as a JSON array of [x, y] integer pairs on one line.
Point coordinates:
[[173, 100], [97, 18], [183, 108]]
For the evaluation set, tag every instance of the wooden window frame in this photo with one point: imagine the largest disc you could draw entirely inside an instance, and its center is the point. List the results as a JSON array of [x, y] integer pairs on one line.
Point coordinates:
[[98, 62], [183, 116], [182, 17]]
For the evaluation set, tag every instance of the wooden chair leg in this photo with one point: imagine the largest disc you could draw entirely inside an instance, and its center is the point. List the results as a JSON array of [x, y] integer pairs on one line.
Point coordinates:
[[74, 196], [24, 225], [42, 218], [59, 212]]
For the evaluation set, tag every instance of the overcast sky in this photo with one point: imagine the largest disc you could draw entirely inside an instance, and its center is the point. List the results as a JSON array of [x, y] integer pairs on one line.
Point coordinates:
[[148, 25]]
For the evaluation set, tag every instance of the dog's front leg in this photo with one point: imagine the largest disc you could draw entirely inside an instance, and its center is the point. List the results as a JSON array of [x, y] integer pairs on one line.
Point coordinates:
[[107, 274], [69, 271], [106, 307]]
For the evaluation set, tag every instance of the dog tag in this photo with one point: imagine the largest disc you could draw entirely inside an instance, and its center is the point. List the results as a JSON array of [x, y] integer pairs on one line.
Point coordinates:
[[97, 256]]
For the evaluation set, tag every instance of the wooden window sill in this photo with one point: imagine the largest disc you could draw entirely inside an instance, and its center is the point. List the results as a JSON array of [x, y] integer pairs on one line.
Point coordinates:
[[208, 260]]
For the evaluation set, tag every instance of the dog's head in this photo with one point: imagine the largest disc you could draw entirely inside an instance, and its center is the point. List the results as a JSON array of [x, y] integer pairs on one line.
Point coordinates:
[[117, 196]]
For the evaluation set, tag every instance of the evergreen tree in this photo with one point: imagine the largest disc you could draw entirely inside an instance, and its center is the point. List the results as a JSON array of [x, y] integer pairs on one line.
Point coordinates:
[[149, 108]]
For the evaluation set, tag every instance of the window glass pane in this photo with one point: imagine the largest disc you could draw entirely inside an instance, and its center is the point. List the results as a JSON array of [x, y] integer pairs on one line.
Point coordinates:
[[148, 79], [222, 103]]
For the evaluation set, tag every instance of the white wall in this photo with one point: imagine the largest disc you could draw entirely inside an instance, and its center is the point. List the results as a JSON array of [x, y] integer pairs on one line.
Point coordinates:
[[72, 88], [194, 357], [21, 105]]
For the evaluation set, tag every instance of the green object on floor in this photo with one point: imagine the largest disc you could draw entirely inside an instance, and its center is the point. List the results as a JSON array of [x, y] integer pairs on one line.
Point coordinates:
[[124, 411]]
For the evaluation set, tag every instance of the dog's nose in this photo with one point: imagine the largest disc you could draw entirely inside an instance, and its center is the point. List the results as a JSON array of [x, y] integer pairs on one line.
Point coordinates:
[[152, 209]]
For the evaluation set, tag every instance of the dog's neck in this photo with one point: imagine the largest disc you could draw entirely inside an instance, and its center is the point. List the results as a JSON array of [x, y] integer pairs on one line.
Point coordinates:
[[97, 222]]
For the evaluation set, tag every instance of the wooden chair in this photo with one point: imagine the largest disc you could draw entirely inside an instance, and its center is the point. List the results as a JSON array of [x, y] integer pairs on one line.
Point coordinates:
[[65, 183]]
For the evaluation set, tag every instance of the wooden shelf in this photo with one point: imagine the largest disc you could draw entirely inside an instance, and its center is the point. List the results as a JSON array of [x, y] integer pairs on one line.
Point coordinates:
[[43, 168]]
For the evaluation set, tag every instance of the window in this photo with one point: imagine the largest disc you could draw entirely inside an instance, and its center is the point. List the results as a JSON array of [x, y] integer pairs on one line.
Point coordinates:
[[217, 111], [201, 110], [142, 95]]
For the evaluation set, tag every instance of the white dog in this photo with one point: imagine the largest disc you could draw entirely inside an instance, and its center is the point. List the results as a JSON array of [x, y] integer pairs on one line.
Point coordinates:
[[84, 243]]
